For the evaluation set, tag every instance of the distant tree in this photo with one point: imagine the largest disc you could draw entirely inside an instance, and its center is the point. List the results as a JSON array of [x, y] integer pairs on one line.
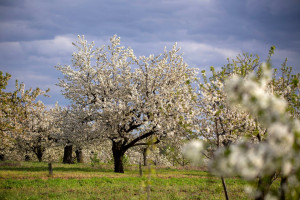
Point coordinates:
[[40, 127], [14, 109], [76, 131]]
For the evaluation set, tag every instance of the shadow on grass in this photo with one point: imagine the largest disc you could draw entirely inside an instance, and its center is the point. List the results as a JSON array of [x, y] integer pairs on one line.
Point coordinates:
[[62, 169]]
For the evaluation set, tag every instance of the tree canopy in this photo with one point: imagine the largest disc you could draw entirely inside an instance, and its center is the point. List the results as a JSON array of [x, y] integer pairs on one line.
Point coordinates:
[[130, 98]]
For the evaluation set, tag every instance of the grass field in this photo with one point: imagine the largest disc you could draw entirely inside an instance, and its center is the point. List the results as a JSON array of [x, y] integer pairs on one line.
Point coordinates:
[[30, 180]]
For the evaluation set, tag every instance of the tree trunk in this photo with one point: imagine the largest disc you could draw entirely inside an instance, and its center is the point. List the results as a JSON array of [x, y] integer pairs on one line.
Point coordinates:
[[27, 158], [283, 186], [39, 153], [50, 169], [145, 156], [263, 186], [2, 157], [118, 153], [224, 188], [68, 155], [140, 169], [79, 156]]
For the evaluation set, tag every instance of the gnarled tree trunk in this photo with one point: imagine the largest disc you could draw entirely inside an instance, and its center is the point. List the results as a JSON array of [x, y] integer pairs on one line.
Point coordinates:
[[118, 154], [68, 154], [120, 147]]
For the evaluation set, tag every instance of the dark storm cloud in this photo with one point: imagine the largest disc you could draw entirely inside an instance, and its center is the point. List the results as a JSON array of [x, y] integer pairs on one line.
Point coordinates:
[[271, 21]]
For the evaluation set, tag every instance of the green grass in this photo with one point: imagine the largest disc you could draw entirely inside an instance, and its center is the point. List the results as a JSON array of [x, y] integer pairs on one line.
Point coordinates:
[[29, 180]]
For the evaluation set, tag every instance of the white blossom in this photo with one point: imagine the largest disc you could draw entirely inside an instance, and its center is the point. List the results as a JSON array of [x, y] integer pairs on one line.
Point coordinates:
[[192, 150]]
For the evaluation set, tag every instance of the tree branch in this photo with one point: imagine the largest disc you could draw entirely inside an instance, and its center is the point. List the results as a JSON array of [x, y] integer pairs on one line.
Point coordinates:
[[133, 142]]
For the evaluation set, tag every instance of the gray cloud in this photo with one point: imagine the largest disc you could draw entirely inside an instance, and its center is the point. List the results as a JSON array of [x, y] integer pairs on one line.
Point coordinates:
[[36, 35]]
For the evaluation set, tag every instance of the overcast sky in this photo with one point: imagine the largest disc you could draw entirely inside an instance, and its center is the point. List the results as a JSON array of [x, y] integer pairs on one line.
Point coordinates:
[[36, 35]]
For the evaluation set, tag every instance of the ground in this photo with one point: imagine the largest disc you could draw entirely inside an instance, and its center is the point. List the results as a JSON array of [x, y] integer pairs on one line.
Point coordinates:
[[31, 180]]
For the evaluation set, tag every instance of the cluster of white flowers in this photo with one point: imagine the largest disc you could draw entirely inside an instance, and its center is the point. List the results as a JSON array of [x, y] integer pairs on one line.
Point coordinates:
[[130, 99], [279, 152], [251, 104], [248, 92], [16, 110], [38, 131], [193, 151], [218, 122]]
